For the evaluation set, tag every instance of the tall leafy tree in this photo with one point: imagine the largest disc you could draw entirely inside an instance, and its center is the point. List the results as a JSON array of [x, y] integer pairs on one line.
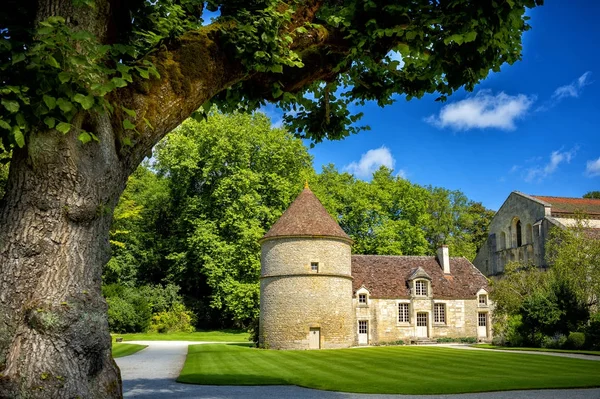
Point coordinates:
[[90, 86], [230, 178]]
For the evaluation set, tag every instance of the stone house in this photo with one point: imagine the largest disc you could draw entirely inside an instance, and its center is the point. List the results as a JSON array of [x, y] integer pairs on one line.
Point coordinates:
[[520, 229], [315, 294]]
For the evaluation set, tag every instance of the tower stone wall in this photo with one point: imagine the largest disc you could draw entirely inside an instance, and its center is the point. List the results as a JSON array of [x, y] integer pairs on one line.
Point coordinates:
[[295, 297]]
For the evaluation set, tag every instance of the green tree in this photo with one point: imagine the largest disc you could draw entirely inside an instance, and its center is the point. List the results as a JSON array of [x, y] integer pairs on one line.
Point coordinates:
[[90, 86], [592, 195], [574, 256], [230, 178]]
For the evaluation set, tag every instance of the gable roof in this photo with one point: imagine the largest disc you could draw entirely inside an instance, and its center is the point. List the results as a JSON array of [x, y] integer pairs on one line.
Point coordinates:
[[387, 277], [565, 205], [306, 217]]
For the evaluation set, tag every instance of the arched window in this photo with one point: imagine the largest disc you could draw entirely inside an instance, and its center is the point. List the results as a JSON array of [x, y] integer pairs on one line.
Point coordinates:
[[515, 233], [529, 234]]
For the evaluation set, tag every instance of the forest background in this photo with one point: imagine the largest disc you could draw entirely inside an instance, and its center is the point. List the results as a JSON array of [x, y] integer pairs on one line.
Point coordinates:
[[185, 233]]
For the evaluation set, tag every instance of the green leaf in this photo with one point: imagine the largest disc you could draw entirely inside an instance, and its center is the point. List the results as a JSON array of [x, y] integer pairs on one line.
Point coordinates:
[[84, 137], [50, 121], [50, 102], [126, 141], [63, 127], [10, 105], [148, 123], [119, 82], [21, 120], [64, 105], [18, 136], [18, 57], [128, 125], [4, 125], [64, 77], [469, 37], [143, 73], [50, 60], [86, 102], [129, 112]]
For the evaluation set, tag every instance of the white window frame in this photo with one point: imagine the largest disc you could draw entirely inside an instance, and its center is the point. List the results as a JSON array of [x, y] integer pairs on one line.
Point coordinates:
[[361, 296], [482, 300], [439, 313], [403, 313], [363, 326], [420, 286]]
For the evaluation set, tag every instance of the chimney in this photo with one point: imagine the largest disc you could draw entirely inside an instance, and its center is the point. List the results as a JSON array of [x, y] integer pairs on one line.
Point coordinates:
[[444, 258]]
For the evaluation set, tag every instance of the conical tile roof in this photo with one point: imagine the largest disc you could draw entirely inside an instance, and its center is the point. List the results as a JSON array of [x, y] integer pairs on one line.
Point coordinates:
[[306, 217]]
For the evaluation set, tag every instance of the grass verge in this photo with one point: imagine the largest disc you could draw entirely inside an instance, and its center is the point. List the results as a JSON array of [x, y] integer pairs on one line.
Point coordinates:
[[210, 336], [399, 370], [120, 350], [510, 348]]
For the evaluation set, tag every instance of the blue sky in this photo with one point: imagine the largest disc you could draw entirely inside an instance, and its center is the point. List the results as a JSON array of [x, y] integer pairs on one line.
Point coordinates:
[[533, 127]]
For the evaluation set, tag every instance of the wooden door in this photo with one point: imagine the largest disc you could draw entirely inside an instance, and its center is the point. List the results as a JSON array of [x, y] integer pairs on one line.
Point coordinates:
[[314, 338], [422, 325], [363, 332]]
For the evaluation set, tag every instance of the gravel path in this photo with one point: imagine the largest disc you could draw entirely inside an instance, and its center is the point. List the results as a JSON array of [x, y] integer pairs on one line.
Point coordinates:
[[151, 374]]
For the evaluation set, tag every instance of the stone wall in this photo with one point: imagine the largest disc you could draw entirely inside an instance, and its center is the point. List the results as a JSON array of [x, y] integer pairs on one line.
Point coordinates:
[[501, 246], [294, 298], [382, 314]]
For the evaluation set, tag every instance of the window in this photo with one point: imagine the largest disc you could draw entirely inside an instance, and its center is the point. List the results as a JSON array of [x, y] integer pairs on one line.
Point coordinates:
[[421, 288], [519, 236], [362, 326], [439, 313], [314, 266], [482, 320], [362, 299], [483, 300], [403, 313]]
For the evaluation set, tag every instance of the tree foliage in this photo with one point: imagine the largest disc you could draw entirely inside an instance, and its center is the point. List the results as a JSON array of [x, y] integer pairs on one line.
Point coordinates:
[[592, 195]]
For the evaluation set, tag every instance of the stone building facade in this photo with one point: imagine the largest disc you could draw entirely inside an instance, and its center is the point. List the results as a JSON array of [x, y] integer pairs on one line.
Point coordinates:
[[520, 229], [314, 294]]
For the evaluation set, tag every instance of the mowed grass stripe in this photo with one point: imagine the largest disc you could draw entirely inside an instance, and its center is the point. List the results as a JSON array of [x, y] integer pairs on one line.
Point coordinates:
[[407, 370]]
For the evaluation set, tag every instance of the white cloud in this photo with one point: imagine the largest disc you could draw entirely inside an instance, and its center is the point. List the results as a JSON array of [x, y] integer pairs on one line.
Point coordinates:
[[396, 56], [574, 89], [540, 172], [370, 162], [593, 168], [483, 110], [402, 174]]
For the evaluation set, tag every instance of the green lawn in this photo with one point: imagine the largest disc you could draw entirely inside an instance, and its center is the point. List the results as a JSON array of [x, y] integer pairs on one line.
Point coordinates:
[[401, 370], [510, 348], [120, 350], [210, 336]]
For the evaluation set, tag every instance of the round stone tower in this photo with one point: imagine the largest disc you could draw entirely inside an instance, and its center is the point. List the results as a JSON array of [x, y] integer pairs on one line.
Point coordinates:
[[306, 282]]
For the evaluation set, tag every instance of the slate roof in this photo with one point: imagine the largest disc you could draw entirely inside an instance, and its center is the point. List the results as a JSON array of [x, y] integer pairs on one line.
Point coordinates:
[[386, 277], [306, 217], [561, 206]]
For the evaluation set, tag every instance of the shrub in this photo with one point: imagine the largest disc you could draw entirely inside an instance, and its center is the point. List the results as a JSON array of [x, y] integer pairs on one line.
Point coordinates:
[[128, 315], [468, 340], [556, 341], [178, 319], [576, 340], [592, 332]]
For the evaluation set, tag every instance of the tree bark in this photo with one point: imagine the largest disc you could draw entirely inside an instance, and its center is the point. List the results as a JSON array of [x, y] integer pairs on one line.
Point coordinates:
[[55, 218]]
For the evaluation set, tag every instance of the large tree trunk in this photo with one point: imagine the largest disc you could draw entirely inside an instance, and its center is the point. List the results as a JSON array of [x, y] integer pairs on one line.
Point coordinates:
[[55, 217]]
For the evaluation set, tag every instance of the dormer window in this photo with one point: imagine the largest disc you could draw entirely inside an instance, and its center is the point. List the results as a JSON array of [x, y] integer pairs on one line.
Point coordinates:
[[421, 288], [314, 267], [362, 299], [482, 300]]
